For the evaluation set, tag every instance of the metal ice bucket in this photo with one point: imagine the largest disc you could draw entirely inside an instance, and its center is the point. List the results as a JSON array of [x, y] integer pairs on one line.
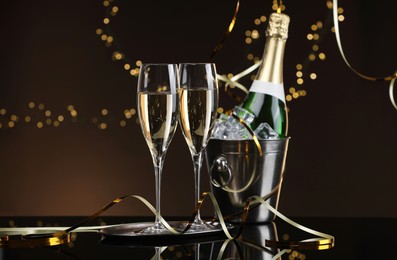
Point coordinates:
[[237, 171]]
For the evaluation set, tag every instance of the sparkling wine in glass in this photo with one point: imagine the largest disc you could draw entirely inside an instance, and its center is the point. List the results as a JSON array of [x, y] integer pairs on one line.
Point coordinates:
[[198, 97], [158, 110]]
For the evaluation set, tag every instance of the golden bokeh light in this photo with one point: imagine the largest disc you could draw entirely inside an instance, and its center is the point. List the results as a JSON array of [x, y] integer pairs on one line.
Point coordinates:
[[329, 4], [14, 118], [127, 114], [73, 113], [103, 126], [255, 34], [314, 27], [104, 112], [109, 39], [302, 92], [299, 81]]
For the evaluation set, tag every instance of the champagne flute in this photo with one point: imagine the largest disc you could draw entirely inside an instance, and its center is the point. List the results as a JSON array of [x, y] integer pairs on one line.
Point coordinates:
[[198, 97], [158, 110]]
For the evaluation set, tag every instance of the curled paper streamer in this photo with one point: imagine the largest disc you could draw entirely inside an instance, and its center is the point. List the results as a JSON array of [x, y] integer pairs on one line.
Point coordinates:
[[227, 33], [234, 80], [25, 239], [38, 237], [339, 43], [391, 91], [20, 241]]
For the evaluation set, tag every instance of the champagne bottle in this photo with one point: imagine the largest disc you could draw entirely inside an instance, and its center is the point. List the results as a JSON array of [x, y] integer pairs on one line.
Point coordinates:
[[266, 98]]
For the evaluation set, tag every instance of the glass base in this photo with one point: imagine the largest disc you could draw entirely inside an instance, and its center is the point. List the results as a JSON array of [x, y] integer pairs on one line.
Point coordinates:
[[155, 229], [199, 227], [142, 234], [147, 229]]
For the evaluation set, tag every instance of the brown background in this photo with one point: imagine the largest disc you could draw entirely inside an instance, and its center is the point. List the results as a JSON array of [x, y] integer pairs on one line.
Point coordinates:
[[342, 156]]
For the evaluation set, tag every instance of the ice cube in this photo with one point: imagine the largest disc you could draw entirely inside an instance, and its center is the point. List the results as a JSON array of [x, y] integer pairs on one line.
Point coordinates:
[[264, 131], [229, 128]]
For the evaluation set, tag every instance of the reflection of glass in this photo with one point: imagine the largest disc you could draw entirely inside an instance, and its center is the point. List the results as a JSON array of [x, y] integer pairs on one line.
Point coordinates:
[[250, 245], [157, 100], [198, 105]]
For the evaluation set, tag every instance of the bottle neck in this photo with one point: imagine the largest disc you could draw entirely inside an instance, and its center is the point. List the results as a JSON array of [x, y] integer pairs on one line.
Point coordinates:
[[271, 69]]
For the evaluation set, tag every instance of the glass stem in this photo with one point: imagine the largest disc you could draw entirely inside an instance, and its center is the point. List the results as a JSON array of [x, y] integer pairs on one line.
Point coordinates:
[[197, 160], [158, 162]]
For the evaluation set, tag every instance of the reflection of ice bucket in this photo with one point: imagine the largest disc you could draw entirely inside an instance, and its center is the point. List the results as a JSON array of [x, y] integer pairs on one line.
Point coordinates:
[[252, 243], [237, 171]]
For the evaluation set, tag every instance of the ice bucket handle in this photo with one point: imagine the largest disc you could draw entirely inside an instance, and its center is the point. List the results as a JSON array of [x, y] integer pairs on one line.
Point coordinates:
[[220, 170]]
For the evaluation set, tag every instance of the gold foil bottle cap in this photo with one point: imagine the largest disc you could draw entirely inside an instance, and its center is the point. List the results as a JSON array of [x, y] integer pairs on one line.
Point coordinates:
[[278, 25]]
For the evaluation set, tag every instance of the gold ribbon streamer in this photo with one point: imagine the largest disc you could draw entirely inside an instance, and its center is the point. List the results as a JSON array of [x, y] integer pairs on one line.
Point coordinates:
[[20, 241], [324, 241], [391, 91], [338, 40], [233, 81], [227, 33], [339, 43], [63, 236]]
